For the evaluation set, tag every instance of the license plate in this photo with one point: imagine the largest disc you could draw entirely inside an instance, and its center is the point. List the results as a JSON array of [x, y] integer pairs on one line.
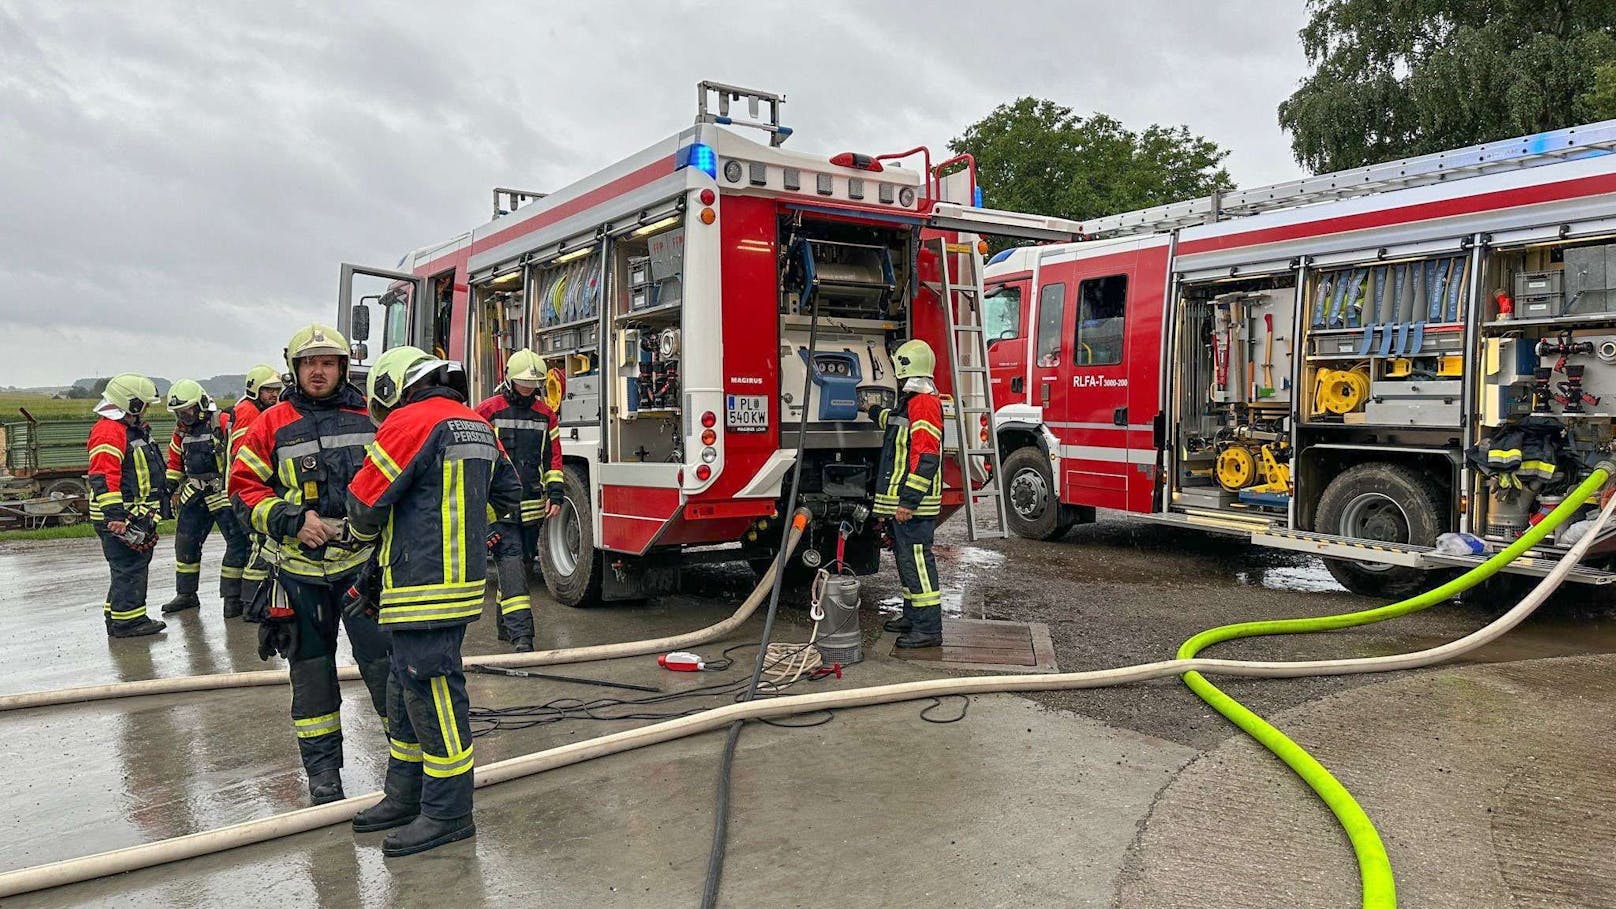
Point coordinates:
[[746, 413]]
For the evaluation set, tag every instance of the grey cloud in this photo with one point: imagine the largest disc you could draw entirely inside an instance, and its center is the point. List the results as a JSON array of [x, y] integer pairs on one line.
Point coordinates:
[[182, 181]]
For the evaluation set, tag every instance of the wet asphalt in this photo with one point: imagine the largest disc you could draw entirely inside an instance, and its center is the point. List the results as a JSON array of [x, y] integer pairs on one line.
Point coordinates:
[[1132, 797]]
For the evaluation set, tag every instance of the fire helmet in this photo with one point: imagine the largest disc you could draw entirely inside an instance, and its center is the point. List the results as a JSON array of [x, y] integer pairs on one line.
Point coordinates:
[[129, 393], [317, 340], [188, 393], [263, 376], [525, 366], [913, 359], [399, 368]]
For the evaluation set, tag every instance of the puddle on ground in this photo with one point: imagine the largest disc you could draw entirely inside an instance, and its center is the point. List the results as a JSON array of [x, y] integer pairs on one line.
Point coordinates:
[[1309, 577]]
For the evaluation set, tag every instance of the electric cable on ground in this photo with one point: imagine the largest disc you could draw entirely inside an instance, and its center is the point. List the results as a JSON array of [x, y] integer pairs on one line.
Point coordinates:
[[726, 764], [207, 842]]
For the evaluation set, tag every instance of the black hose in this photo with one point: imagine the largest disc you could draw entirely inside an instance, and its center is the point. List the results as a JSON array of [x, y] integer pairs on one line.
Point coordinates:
[[715, 854]]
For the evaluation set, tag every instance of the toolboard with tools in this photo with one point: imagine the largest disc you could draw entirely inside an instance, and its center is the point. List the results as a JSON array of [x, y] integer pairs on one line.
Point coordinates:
[[1547, 383]]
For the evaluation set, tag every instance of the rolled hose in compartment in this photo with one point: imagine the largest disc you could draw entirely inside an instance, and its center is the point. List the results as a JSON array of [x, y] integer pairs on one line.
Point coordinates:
[[146, 855]]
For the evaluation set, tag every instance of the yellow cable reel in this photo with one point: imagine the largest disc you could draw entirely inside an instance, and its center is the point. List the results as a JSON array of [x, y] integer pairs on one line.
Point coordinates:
[[1236, 468], [1340, 391], [555, 388]]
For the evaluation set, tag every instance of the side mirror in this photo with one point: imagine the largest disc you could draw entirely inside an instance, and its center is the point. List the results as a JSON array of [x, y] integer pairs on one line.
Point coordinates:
[[359, 352], [360, 323]]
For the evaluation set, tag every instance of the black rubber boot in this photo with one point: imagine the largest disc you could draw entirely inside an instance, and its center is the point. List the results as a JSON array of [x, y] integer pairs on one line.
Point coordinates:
[[232, 607], [425, 833], [522, 645], [504, 633], [181, 602], [399, 806], [136, 629], [914, 639], [326, 786]]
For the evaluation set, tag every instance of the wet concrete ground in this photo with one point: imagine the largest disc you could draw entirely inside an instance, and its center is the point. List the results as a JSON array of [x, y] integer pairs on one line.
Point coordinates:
[[1489, 780]]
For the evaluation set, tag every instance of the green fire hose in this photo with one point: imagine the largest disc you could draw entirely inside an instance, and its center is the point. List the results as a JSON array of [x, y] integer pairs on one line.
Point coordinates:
[[1374, 867]]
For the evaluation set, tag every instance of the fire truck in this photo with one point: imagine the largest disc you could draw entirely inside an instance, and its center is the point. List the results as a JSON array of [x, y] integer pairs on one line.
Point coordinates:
[[702, 305], [1348, 365]]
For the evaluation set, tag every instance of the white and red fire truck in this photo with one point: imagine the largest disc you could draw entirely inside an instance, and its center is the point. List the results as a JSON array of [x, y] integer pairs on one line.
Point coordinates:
[[677, 291], [1307, 364]]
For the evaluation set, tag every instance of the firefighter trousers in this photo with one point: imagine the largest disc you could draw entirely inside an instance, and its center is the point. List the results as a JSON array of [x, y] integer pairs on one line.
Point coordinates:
[[256, 570], [429, 722], [126, 595], [917, 572], [316, 698], [512, 556], [193, 524]]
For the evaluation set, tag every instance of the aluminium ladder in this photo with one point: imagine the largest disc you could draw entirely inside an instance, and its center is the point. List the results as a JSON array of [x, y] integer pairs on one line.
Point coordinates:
[[1439, 167], [961, 296]]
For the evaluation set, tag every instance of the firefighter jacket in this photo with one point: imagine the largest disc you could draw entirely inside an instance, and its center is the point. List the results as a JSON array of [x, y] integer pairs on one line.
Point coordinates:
[[196, 461], [531, 434], [299, 456], [237, 419], [428, 484], [126, 472], [911, 472]]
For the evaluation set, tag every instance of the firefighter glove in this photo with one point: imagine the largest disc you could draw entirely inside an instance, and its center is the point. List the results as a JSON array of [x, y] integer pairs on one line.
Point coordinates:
[[363, 595], [493, 541], [276, 638]]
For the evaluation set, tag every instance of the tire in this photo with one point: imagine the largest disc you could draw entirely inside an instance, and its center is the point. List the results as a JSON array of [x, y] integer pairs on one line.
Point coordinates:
[[1030, 504], [572, 565], [68, 488], [1389, 503]]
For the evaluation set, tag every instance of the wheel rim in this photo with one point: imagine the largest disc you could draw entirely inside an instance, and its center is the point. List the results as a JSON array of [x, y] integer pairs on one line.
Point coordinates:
[[1378, 517], [1028, 493], [564, 537]]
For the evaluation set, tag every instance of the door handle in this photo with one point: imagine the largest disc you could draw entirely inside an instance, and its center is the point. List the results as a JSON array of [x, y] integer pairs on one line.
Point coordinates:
[[1119, 417], [1043, 395], [1017, 384]]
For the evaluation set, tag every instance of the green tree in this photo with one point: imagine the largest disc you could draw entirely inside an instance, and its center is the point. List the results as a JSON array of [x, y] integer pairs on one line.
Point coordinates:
[[1037, 156], [1394, 79]]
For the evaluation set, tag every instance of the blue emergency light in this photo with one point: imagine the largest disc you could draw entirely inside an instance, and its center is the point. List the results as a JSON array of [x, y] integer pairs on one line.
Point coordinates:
[[698, 155]]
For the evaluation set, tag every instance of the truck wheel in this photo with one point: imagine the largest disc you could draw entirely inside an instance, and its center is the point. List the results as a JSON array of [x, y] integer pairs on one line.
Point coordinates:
[[1030, 502], [1386, 503], [67, 489], [567, 553]]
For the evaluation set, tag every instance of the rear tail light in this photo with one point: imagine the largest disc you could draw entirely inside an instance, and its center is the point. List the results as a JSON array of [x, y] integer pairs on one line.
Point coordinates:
[[708, 216], [709, 419], [703, 472], [708, 197], [708, 437]]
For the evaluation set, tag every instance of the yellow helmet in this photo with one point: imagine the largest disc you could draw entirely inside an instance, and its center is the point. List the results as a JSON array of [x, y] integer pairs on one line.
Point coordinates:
[[263, 376], [129, 393], [188, 393], [914, 358], [395, 371], [316, 340], [525, 366]]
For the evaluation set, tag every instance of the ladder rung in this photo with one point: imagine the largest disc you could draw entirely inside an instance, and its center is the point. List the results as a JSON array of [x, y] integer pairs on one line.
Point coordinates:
[[971, 328], [980, 451], [973, 369]]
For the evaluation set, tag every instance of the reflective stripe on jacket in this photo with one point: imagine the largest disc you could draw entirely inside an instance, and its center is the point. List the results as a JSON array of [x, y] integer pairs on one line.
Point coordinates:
[[911, 473], [299, 456], [125, 471], [531, 434], [427, 485]]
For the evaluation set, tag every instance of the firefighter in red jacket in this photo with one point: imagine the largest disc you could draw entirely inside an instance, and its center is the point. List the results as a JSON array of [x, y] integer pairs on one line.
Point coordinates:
[[196, 467], [289, 483], [126, 492], [428, 484], [909, 490], [531, 434], [264, 386]]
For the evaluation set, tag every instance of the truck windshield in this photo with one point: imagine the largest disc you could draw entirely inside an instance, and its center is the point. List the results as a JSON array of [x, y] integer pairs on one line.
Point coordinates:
[[1001, 313]]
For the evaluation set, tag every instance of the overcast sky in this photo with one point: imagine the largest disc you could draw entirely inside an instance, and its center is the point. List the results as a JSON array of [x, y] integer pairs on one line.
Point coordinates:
[[180, 182]]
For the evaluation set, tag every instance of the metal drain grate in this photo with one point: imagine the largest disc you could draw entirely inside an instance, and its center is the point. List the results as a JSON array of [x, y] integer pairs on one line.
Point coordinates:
[[985, 644]]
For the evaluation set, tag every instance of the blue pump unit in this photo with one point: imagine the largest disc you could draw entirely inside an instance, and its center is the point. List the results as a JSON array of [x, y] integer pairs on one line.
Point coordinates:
[[837, 376]]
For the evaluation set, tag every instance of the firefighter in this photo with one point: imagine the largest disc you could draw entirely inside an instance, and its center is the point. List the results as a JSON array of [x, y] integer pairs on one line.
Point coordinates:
[[127, 486], [264, 385], [289, 483], [196, 467], [909, 490], [531, 434], [434, 474]]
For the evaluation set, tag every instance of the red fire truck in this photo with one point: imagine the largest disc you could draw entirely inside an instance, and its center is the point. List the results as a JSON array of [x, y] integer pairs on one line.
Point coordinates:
[[1308, 365], [689, 294]]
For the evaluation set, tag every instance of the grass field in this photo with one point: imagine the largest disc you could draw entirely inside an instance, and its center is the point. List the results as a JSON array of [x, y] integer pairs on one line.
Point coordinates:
[[72, 532], [41, 407]]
